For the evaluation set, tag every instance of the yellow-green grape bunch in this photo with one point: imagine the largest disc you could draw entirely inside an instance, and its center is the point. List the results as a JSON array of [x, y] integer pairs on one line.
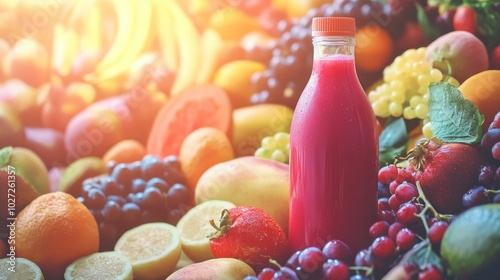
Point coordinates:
[[405, 88], [276, 147]]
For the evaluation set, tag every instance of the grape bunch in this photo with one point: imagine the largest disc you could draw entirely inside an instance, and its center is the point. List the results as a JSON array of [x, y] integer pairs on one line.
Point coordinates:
[[333, 261], [289, 61], [405, 90], [276, 147], [488, 188], [149, 190]]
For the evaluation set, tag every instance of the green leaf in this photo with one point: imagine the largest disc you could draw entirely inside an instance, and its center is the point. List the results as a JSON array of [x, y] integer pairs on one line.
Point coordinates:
[[393, 141], [5, 154], [431, 33], [453, 118], [422, 255]]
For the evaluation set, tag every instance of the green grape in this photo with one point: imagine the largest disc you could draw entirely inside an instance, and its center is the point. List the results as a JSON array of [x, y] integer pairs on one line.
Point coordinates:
[[427, 131], [275, 147], [269, 143], [263, 153], [279, 156]]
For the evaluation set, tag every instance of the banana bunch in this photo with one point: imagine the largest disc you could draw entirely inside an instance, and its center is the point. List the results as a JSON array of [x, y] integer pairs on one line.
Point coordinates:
[[139, 24]]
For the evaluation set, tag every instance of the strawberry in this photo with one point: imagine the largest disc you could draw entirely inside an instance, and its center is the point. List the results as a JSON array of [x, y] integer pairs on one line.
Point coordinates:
[[251, 235], [445, 172], [465, 20]]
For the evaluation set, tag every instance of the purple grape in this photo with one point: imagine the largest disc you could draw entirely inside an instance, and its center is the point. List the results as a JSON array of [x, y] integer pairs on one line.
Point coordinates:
[[158, 183], [437, 231], [394, 229], [495, 151], [383, 248], [335, 270], [95, 199], [153, 198], [251, 277], [405, 239], [383, 190], [394, 203], [293, 261], [285, 273], [177, 195], [111, 211], [131, 213], [407, 214], [138, 185], [496, 198], [336, 249], [406, 192], [387, 215], [486, 175], [152, 166], [378, 229], [311, 258], [387, 174], [122, 174], [118, 199], [383, 204], [490, 138], [474, 197], [266, 273], [110, 187]]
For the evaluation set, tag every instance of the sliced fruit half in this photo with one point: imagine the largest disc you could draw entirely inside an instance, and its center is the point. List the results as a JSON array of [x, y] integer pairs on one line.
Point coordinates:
[[19, 270], [102, 265]]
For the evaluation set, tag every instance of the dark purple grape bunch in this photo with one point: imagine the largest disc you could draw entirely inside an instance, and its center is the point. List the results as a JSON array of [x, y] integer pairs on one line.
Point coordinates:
[[487, 189], [150, 190], [490, 143], [333, 261]]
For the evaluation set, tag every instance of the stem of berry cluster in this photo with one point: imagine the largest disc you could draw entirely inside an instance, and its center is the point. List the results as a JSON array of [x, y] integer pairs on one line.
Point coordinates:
[[428, 207]]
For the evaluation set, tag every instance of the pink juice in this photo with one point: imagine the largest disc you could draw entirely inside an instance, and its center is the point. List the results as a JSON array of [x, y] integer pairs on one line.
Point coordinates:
[[333, 159]]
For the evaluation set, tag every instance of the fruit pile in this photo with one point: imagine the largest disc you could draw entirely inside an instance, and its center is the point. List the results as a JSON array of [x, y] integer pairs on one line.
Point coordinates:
[[150, 139]]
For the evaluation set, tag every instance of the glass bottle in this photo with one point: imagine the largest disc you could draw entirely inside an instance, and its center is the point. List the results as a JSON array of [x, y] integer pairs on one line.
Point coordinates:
[[333, 147]]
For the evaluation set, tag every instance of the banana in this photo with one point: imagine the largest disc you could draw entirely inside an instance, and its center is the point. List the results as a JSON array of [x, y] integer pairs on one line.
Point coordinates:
[[65, 48], [189, 45], [165, 25], [92, 35], [213, 45], [134, 28]]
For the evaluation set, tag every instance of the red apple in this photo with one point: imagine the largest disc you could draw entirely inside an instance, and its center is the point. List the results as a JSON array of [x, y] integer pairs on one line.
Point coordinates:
[[47, 143], [412, 38]]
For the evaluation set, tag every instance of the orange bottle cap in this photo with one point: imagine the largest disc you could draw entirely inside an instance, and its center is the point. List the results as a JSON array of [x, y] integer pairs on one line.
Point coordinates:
[[334, 26]]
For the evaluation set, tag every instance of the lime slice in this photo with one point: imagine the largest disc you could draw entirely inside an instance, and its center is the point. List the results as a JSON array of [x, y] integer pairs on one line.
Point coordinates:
[[103, 265], [153, 249], [19, 269], [194, 227]]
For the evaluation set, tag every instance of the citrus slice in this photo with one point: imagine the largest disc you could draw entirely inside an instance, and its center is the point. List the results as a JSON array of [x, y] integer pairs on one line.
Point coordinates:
[[102, 265], [153, 249], [194, 227], [20, 269]]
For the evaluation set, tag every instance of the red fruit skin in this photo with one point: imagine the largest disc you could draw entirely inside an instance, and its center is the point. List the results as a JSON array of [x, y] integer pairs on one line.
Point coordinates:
[[465, 20], [448, 173], [254, 238]]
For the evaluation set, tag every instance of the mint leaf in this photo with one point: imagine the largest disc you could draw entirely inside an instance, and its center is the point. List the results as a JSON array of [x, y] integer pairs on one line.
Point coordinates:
[[5, 154], [453, 118], [393, 141]]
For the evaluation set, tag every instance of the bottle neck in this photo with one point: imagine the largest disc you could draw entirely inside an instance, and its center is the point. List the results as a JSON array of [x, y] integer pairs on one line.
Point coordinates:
[[325, 46]]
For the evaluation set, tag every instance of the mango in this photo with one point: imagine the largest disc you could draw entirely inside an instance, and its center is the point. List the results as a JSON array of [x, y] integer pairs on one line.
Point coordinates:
[[81, 169], [248, 181], [221, 269], [26, 164], [252, 123]]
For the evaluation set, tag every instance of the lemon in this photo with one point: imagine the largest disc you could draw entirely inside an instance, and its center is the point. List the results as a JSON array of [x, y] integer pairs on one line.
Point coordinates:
[[21, 269], [153, 249], [471, 244], [194, 227], [102, 265]]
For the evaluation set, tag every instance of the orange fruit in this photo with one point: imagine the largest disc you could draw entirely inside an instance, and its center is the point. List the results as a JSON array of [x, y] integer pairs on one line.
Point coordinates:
[[202, 149], [483, 89], [125, 151], [373, 49], [53, 231]]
